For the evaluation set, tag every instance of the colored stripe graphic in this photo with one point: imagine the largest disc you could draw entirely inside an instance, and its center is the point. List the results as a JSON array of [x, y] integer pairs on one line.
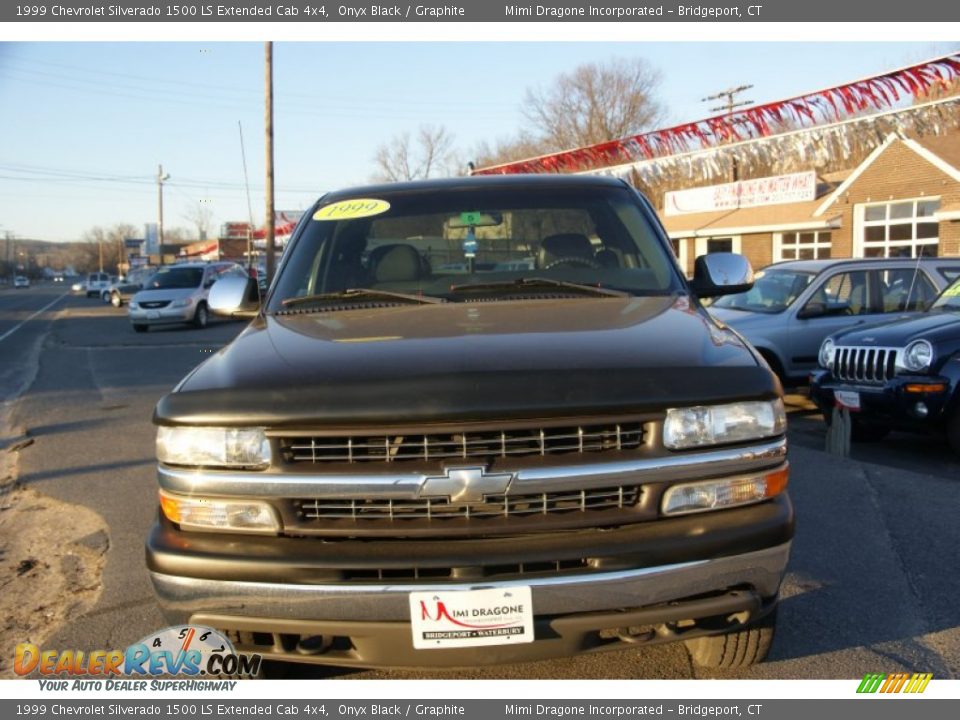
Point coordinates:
[[894, 683]]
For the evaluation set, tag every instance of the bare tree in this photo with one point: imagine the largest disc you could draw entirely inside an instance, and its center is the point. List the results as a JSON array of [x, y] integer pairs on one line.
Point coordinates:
[[427, 154], [595, 103], [201, 216]]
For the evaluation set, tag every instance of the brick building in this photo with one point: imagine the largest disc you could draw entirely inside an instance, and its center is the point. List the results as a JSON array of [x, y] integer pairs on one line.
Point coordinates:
[[903, 199]]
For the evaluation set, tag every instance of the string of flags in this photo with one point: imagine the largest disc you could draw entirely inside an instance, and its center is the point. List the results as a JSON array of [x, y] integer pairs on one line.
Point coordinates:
[[830, 123]]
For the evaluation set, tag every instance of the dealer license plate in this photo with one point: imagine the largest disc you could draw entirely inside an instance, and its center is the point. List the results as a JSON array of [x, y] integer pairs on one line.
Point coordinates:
[[153, 314], [847, 399], [466, 618]]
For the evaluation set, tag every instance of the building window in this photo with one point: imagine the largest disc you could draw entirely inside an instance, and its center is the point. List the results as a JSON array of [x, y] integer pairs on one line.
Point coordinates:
[[905, 228], [705, 246], [810, 245]]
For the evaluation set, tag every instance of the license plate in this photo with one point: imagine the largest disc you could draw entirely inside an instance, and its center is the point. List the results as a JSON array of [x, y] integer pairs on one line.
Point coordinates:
[[153, 314], [847, 399], [467, 618]]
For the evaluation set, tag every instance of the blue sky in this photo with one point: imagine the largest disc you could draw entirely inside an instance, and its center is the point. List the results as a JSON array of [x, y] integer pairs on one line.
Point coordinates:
[[85, 124]]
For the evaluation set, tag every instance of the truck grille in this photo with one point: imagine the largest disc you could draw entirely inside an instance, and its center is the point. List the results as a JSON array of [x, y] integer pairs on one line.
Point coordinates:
[[865, 364], [464, 445], [493, 506]]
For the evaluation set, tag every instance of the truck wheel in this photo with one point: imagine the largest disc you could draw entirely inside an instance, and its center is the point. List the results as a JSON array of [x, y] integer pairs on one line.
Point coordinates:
[[201, 316], [738, 649], [140, 328]]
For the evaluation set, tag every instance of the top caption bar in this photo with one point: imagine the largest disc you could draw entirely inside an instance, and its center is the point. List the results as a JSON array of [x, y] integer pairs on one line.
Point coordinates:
[[318, 11]]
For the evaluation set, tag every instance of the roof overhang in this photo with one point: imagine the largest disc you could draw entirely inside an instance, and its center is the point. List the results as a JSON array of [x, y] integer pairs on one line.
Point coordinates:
[[830, 224]]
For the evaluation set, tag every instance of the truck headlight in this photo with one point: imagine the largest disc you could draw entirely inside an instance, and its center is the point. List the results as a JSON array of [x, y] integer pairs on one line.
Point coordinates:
[[918, 355], [213, 446], [826, 353], [195, 513], [719, 424], [724, 493]]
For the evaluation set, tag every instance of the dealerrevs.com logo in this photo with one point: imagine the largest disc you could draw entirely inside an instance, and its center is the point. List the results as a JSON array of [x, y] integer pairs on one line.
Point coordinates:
[[184, 650]]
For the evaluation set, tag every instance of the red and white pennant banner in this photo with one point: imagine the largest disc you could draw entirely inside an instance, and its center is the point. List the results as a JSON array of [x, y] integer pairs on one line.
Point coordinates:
[[877, 93]]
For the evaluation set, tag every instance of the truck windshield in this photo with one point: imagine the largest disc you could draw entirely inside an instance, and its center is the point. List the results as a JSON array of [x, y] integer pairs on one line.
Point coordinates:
[[434, 242], [773, 291]]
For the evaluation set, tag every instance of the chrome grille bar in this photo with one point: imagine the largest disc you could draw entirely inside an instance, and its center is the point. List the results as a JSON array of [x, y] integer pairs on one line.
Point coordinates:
[[464, 445], [867, 365], [505, 505]]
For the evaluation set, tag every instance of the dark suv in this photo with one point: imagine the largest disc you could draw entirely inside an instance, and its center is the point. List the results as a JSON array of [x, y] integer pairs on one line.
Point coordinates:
[[901, 375], [475, 421]]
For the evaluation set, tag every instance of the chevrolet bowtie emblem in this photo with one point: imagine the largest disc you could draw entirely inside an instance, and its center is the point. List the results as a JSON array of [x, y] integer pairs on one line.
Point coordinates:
[[466, 484]]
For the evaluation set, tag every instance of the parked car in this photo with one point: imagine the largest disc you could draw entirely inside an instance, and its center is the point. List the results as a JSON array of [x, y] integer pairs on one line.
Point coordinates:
[[794, 305], [96, 283], [21, 281], [120, 292], [178, 294], [399, 465], [903, 374]]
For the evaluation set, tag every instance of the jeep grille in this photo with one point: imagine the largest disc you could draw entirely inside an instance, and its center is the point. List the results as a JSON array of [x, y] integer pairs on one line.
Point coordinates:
[[864, 364]]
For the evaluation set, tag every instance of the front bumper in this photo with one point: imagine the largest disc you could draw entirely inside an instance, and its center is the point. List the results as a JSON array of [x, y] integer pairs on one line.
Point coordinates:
[[162, 316], [890, 404], [676, 578]]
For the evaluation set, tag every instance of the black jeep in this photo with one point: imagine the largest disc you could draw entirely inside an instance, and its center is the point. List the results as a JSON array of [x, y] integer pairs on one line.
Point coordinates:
[[902, 375]]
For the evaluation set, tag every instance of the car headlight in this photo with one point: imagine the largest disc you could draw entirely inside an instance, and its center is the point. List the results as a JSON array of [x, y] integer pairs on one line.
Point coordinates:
[[182, 302], [197, 513], [133, 306], [727, 492], [213, 446], [826, 353], [719, 424], [918, 355]]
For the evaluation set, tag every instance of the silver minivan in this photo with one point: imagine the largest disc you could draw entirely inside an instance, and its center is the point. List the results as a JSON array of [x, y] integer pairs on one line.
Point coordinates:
[[794, 305], [178, 294]]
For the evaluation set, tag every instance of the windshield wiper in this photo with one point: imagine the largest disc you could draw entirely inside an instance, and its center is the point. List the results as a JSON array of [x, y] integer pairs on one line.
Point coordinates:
[[361, 294], [533, 282]]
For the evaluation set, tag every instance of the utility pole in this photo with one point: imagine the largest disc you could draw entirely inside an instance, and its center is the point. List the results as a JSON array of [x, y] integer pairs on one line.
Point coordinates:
[[100, 250], [269, 159], [161, 178], [728, 108]]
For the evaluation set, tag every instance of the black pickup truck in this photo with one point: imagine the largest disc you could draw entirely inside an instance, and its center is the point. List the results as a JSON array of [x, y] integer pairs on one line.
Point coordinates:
[[474, 421]]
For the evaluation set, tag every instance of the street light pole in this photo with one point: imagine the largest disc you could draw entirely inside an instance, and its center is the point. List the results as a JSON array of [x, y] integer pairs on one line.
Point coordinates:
[[160, 180]]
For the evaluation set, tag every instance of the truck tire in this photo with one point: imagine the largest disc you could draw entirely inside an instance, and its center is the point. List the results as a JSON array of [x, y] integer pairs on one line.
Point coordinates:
[[737, 649]]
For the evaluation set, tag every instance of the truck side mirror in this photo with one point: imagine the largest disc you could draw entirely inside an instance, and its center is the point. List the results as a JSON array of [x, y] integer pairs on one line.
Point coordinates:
[[721, 274], [235, 297]]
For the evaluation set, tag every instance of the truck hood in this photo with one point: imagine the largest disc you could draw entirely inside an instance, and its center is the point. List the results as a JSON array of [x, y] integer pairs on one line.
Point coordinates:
[[476, 361], [936, 327]]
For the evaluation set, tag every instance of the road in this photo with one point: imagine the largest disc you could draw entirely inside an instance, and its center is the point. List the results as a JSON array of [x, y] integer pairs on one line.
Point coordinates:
[[871, 586]]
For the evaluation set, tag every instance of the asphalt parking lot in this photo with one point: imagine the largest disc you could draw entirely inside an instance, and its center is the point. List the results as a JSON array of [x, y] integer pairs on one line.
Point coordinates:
[[872, 584]]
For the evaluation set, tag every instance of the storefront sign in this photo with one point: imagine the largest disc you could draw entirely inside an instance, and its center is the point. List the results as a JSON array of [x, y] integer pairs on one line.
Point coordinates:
[[797, 187]]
